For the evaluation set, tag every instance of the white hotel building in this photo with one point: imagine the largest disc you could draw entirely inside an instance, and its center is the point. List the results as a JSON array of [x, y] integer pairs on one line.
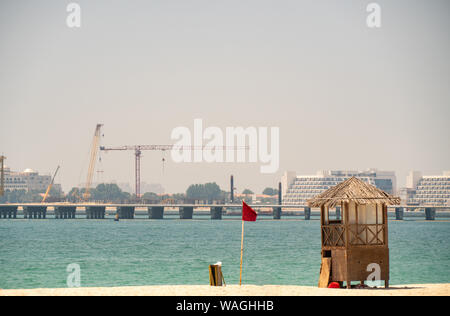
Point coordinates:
[[297, 189], [428, 190], [28, 180]]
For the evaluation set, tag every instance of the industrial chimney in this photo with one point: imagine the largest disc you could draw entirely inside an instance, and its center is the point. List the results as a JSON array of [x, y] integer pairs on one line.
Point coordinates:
[[232, 189]]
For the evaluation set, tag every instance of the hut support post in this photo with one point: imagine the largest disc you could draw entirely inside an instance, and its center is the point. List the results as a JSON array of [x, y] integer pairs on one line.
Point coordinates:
[[347, 242]]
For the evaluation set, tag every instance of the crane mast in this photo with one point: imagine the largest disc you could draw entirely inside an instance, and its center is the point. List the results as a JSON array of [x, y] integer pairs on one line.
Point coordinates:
[[2, 176], [138, 154]]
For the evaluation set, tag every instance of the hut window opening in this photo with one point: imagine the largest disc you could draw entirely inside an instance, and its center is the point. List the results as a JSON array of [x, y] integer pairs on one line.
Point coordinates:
[[366, 224], [337, 219]]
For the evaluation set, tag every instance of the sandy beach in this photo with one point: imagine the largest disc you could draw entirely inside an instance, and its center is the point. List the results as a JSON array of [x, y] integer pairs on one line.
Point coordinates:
[[235, 290]]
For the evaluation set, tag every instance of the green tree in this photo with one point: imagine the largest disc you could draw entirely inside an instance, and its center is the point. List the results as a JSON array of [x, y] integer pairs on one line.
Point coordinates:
[[270, 191], [247, 192], [74, 195], [109, 192], [208, 191], [105, 192]]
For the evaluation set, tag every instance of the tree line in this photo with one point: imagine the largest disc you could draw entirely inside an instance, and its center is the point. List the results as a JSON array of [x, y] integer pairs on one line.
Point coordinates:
[[111, 193]]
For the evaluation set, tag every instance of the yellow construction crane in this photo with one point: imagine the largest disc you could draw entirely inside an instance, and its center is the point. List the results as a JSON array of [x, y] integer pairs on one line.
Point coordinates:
[[2, 176], [94, 153], [50, 186]]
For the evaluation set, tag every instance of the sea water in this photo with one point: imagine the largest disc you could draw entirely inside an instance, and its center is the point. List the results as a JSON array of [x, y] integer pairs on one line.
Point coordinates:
[[36, 253]]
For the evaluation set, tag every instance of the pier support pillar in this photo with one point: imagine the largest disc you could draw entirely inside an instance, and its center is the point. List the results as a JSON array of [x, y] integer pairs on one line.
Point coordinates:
[[3, 211], [95, 212], [307, 213], [126, 212], [216, 212], [65, 212], [88, 214], [399, 213], [338, 213], [8, 212], [277, 213], [186, 212], [35, 211], [156, 212], [430, 214]]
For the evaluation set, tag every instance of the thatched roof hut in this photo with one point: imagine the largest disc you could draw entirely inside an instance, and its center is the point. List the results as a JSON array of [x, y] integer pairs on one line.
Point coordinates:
[[353, 243], [354, 190]]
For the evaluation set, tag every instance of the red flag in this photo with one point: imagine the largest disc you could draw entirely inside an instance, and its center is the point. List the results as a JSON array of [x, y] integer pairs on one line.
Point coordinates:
[[248, 214]]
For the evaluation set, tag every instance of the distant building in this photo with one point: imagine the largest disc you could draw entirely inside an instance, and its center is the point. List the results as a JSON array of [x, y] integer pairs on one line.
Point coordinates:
[[430, 190], [297, 189], [413, 179], [407, 195], [28, 180], [258, 198]]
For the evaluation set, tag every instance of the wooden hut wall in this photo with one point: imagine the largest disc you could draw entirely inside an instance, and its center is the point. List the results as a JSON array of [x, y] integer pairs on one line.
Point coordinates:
[[351, 209]]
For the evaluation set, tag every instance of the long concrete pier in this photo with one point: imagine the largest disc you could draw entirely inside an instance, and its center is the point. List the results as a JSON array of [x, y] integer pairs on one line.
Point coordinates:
[[185, 211]]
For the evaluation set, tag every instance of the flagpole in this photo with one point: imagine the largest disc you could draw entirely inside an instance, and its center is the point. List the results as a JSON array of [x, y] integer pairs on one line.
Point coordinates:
[[242, 251]]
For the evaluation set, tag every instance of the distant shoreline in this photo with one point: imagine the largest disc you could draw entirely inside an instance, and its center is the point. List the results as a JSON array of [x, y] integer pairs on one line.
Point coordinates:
[[235, 290]]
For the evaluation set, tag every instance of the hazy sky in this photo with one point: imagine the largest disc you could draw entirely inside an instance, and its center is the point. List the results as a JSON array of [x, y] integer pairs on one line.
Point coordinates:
[[344, 96]]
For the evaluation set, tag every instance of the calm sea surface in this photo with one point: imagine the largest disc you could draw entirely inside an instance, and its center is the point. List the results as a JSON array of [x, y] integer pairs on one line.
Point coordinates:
[[36, 253]]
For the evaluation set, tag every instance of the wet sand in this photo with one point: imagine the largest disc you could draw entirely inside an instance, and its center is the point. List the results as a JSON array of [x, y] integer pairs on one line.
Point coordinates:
[[235, 290]]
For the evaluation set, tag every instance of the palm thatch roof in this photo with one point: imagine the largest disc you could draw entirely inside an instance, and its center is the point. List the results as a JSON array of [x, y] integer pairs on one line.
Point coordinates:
[[354, 190]]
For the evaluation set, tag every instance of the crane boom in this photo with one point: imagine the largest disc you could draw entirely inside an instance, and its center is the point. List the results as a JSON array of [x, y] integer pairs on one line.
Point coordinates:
[[170, 147], [94, 153], [50, 186], [139, 148]]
